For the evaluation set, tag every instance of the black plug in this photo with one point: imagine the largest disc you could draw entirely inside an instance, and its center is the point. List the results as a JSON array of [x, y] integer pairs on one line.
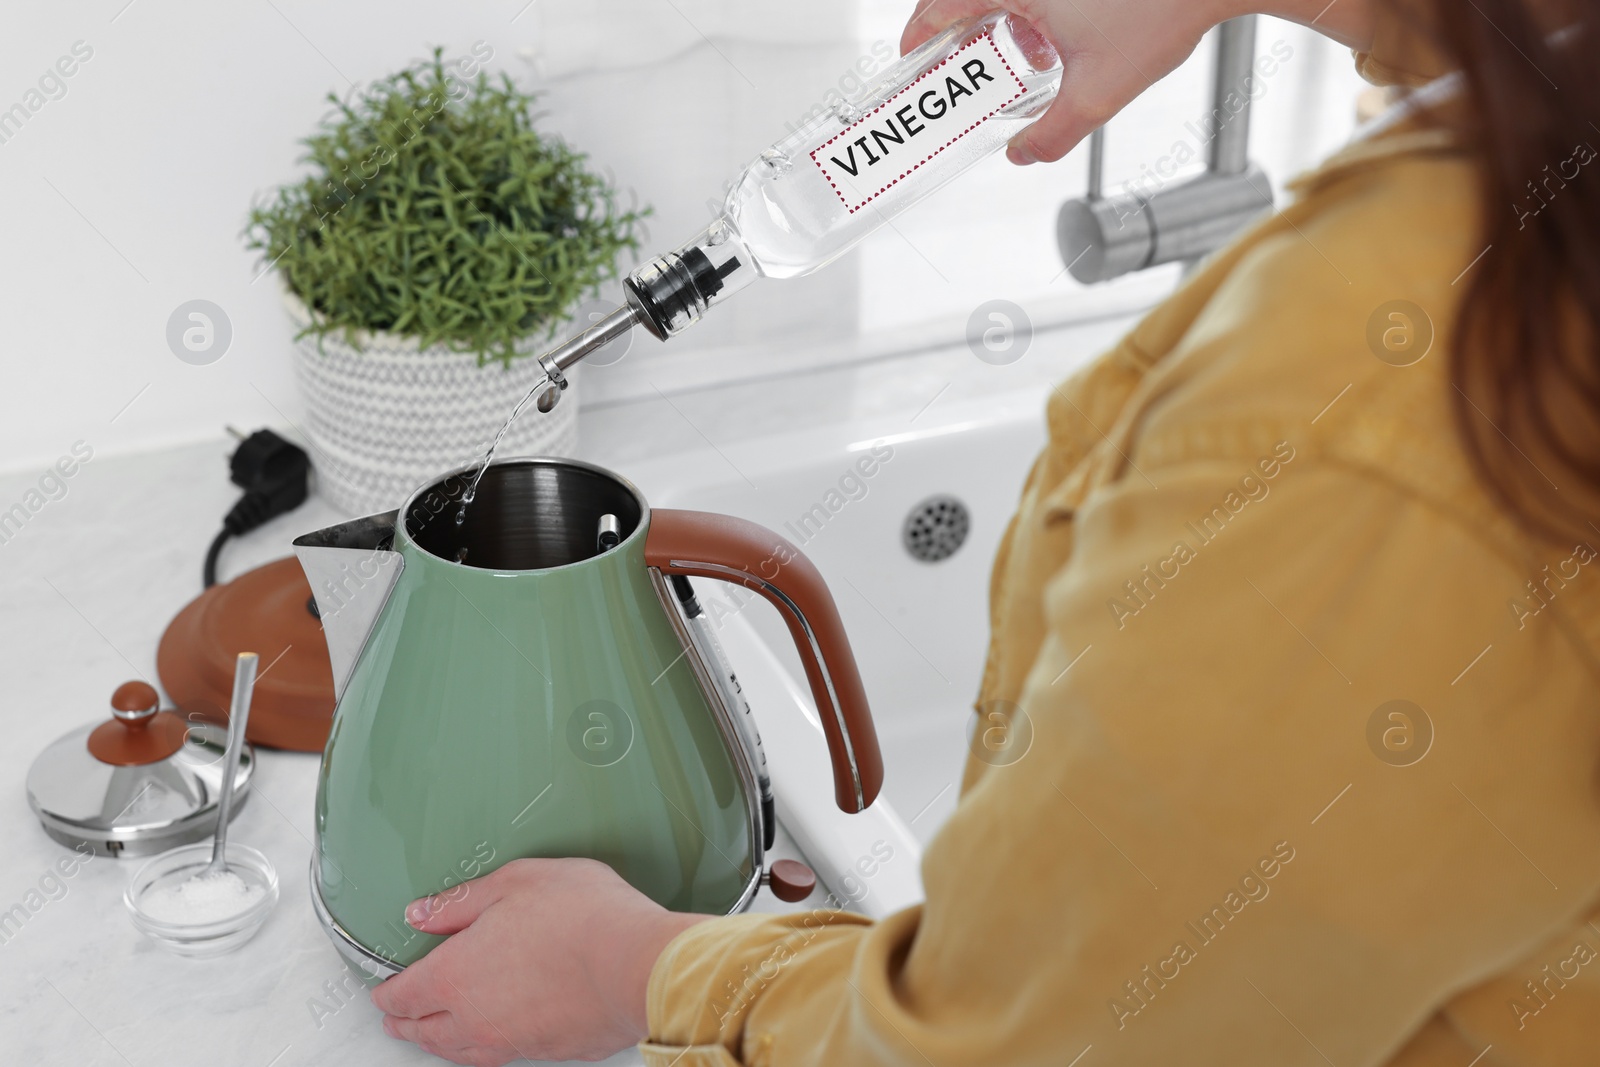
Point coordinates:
[[273, 474]]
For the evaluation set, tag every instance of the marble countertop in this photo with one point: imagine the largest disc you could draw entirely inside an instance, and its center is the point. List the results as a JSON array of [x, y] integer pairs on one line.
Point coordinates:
[[88, 584]]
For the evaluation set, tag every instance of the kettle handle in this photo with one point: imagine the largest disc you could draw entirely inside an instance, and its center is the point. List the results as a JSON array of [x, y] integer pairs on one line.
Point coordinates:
[[707, 545]]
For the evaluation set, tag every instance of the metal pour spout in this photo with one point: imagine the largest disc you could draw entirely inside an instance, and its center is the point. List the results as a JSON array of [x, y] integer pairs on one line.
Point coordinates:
[[666, 296], [617, 322], [351, 568]]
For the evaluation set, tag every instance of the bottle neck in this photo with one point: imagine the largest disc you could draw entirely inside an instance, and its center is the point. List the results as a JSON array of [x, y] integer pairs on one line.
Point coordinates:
[[672, 292]]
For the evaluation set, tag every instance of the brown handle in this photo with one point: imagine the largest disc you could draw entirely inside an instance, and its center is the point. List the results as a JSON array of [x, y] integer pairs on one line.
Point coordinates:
[[734, 550]]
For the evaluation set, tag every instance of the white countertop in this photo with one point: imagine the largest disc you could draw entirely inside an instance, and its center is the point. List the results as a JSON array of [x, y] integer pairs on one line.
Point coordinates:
[[88, 585]]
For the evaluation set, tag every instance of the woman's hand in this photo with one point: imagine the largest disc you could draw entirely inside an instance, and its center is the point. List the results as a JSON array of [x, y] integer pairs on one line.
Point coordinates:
[[1113, 50], [549, 961]]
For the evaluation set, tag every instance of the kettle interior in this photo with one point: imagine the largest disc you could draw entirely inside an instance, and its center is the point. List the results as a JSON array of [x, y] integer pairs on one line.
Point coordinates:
[[527, 514]]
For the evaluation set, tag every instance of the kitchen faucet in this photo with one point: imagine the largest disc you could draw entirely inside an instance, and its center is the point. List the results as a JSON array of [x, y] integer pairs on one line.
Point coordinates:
[[1104, 237]]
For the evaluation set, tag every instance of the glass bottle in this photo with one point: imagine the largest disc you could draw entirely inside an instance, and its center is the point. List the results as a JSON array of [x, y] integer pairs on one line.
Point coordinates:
[[819, 191]]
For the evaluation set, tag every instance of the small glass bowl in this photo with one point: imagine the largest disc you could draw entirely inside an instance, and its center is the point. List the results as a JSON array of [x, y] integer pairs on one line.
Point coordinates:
[[213, 938]]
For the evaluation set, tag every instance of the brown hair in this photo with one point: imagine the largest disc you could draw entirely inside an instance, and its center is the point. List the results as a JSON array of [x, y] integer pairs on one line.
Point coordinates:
[[1525, 360]]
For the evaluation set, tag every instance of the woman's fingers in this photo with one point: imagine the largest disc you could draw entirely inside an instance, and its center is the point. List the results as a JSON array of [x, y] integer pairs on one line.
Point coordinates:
[[419, 992], [1056, 133], [439, 1034], [1065, 123], [917, 10], [552, 961], [411, 994], [432, 1029], [1094, 87], [1111, 51], [931, 16], [455, 909]]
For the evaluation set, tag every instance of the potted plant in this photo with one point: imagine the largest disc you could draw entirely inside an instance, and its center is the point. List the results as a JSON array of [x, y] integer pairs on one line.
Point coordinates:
[[438, 241]]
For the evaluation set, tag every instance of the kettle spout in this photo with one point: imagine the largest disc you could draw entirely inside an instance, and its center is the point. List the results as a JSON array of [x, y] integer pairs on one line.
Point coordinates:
[[352, 568]]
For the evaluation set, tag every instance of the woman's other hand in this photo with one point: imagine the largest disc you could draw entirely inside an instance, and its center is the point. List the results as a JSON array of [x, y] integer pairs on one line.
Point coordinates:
[[549, 960], [1113, 50]]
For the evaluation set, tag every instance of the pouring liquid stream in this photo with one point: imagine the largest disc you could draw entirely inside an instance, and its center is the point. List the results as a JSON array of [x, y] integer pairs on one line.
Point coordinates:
[[488, 457]]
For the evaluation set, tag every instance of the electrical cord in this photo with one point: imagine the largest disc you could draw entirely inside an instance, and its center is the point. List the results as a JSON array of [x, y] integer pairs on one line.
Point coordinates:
[[273, 474], [210, 572]]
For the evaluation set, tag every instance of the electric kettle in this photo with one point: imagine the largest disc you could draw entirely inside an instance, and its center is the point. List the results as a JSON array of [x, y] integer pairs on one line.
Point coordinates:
[[530, 675]]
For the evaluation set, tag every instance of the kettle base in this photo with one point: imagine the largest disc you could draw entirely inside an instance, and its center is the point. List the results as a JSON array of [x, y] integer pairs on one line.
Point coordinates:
[[366, 964]]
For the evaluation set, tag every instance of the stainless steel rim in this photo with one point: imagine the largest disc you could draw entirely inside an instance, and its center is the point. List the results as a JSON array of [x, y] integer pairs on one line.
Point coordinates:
[[360, 958], [141, 843]]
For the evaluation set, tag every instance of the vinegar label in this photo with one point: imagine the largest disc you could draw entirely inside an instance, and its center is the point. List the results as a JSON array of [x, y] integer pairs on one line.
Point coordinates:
[[913, 126]]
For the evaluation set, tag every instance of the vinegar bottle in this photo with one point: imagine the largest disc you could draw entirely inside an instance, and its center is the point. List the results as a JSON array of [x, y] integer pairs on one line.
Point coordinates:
[[812, 196]]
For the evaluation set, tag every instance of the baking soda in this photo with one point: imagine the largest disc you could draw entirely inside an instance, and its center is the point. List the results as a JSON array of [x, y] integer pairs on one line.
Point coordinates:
[[205, 898]]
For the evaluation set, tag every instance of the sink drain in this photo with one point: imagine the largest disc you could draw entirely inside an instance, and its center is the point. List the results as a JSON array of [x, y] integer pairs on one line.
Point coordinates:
[[936, 528]]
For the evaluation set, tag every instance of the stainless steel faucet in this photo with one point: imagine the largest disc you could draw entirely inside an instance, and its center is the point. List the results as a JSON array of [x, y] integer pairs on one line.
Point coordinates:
[[1105, 237]]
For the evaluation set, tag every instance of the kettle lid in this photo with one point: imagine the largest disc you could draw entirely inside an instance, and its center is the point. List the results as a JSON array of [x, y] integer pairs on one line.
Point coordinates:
[[141, 782]]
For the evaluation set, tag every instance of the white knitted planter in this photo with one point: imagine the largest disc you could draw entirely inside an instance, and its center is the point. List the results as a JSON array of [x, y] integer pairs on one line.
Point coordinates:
[[386, 416]]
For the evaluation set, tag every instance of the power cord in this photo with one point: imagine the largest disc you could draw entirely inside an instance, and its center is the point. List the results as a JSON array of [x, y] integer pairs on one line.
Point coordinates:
[[273, 474]]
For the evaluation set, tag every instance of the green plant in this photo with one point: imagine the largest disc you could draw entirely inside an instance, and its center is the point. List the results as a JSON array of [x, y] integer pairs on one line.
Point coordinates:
[[434, 209]]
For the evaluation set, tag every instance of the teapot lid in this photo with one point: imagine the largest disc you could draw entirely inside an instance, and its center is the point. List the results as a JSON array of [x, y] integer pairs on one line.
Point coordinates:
[[141, 782]]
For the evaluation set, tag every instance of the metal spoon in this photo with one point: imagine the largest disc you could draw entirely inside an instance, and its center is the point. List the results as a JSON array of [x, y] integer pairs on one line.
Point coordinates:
[[244, 680]]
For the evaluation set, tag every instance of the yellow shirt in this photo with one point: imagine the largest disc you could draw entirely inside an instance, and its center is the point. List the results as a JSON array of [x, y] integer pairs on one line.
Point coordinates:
[[1314, 726]]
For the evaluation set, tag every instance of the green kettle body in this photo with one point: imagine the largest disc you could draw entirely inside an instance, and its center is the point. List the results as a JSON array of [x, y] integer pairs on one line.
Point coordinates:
[[516, 685]]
